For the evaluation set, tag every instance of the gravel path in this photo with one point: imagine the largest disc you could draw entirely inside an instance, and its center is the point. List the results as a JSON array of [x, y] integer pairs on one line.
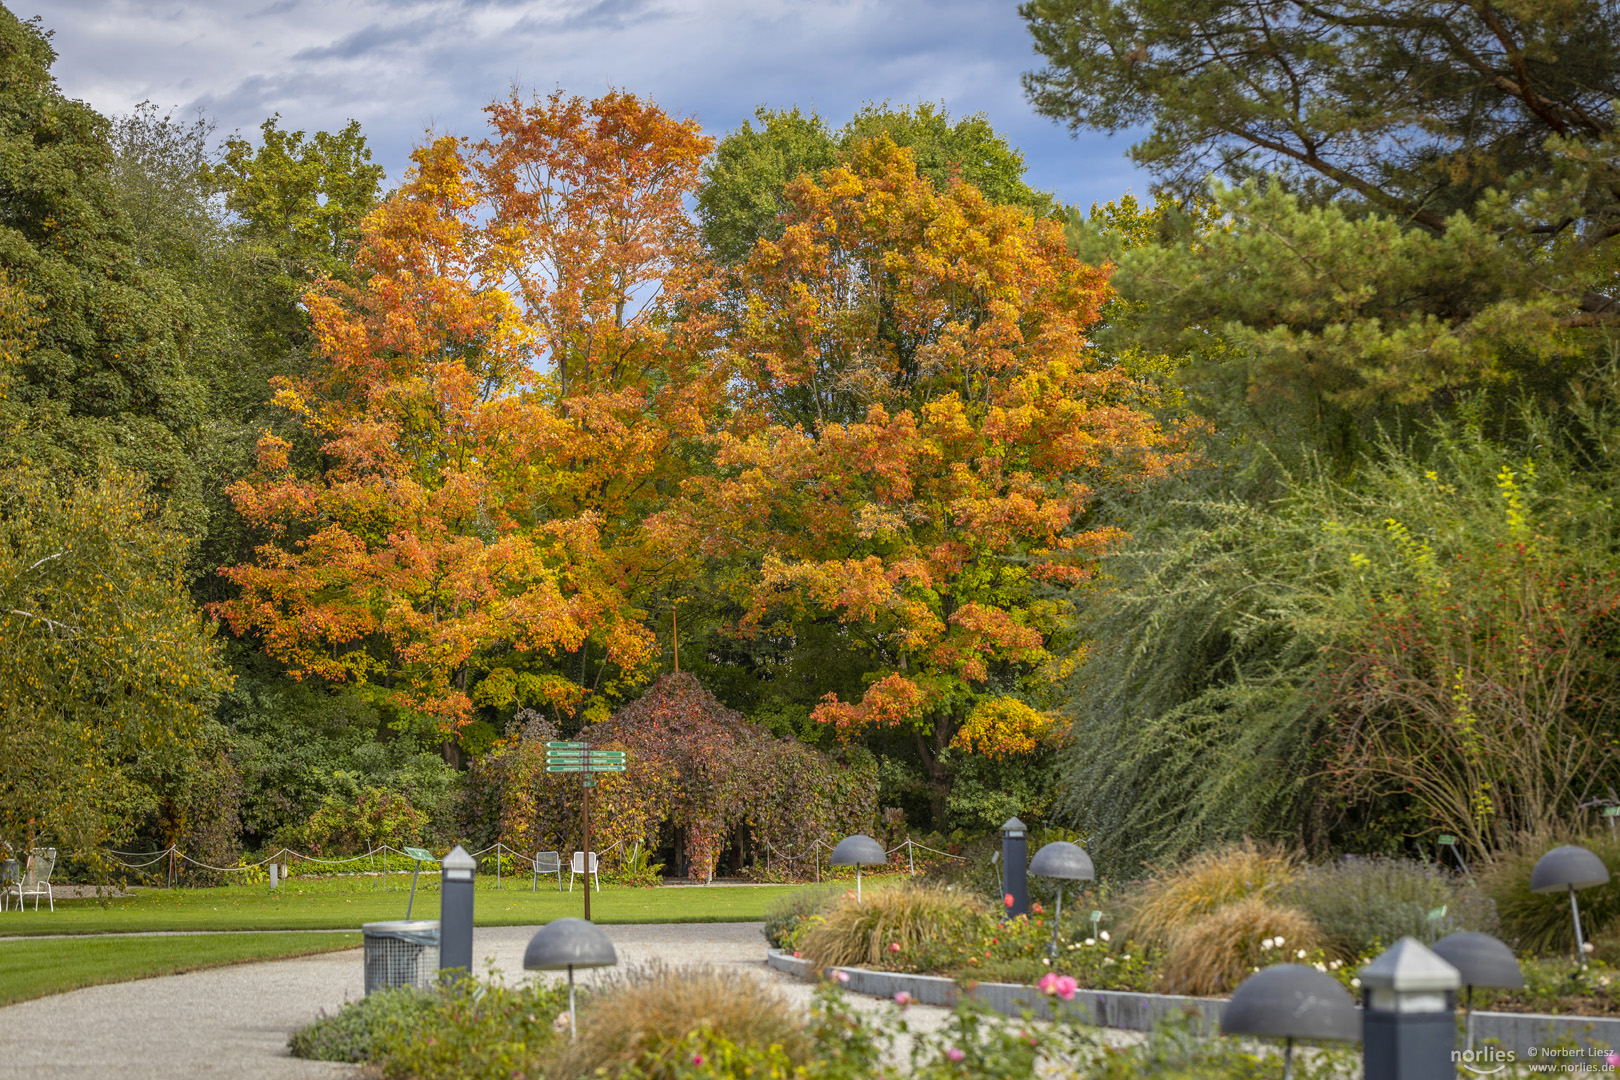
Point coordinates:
[[234, 1021]]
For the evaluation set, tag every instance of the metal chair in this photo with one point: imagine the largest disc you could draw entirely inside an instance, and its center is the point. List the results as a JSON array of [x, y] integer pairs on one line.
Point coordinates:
[[547, 862], [36, 879], [577, 866]]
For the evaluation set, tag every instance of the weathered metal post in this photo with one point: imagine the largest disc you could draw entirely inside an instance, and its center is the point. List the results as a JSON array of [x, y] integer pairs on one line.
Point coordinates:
[[1014, 855], [456, 912]]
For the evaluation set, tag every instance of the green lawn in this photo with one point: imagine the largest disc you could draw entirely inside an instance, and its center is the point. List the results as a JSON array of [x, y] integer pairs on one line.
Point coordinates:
[[346, 903], [30, 969]]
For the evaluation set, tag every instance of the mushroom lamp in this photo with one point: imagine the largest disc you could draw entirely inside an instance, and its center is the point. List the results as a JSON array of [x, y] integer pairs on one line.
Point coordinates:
[[857, 851], [1569, 867], [1292, 1001], [1480, 960], [569, 943], [1064, 862]]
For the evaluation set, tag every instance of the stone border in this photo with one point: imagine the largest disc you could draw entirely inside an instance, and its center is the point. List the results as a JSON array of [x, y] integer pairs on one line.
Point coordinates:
[[1131, 1011]]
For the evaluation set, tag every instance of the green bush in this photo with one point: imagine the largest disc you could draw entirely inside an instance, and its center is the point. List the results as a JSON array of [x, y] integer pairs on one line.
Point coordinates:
[[786, 916], [1540, 925], [1367, 904], [358, 1031]]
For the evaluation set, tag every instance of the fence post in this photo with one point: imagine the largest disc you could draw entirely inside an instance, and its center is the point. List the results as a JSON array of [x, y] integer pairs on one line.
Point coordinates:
[[911, 856]]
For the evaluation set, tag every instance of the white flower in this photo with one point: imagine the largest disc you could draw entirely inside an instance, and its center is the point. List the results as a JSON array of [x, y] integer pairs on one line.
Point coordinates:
[[1103, 935], [1091, 941], [1127, 956], [1319, 966], [1355, 982], [1300, 954], [1046, 960], [1266, 944], [1587, 946], [1279, 943]]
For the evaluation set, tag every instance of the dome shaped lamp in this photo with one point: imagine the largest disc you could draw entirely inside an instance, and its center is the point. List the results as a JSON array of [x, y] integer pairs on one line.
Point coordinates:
[[857, 851], [1569, 867], [1292, 1001], [1061, 861], [569, 943]]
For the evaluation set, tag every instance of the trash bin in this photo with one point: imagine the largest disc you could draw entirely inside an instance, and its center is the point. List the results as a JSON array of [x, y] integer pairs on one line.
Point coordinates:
[[401, 953]]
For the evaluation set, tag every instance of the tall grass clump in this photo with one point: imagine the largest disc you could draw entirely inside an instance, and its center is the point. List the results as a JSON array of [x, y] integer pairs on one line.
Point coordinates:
[[637, 1022], [1176, 897], [860, 931], [1540, 925], [1366, 904], [1213, 953], [360, 1030]]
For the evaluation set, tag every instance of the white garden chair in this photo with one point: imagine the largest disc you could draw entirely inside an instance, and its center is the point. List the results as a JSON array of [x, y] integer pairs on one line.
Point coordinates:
[[547, 862], [578, 867], [36, 879]]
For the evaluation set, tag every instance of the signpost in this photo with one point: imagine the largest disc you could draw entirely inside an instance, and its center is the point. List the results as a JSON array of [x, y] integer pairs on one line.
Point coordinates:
[[578, 757], [421, 855]]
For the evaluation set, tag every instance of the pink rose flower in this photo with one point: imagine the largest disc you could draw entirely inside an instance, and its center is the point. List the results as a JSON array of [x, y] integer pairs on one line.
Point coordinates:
[[841, 976], [1065, 985], [1008, 900], [902, 998], [1048, 983], [894, 946], [697, 1059], [954, 1054]]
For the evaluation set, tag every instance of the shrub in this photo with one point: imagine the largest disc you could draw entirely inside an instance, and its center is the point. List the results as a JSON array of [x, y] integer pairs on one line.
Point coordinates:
[[1540, 924], [913, 916], [377, 816], [1363, 905], [785, 916], [1174, 898], [357, 1031], [1213, 954], [640, 1021]]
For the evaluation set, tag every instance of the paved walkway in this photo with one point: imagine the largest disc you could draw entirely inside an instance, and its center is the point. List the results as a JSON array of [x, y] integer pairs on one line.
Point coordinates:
[[234, 1021]]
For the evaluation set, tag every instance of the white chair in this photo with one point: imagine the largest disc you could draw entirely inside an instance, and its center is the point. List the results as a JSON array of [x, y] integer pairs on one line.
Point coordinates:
[[547, 862], [36, 879], [578, 867]]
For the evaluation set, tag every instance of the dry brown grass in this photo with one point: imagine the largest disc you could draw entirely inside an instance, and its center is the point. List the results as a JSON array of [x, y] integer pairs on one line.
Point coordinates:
[[1212, 954], [1175, 898], [635, 1018], [859, 931]]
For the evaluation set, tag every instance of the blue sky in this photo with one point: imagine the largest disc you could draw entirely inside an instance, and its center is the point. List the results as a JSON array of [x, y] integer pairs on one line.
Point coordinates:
[[403, 66]]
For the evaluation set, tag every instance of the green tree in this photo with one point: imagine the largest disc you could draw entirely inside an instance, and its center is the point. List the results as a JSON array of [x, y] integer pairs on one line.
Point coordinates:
[[745, 181], [108, 675], [109, 377]]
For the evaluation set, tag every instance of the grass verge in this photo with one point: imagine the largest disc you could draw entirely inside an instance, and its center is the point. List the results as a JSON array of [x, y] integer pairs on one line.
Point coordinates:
[[31, 969], [346, 903]]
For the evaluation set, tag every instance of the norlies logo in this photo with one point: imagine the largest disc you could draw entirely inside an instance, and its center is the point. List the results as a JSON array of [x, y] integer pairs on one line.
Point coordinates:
[[1485, 1060]]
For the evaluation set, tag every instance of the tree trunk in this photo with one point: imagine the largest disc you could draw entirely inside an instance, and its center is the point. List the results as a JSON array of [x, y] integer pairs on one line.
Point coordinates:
[[939, 777]]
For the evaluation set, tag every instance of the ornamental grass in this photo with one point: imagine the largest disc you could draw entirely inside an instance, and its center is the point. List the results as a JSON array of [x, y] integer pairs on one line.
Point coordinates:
[[1175, 898], [1215, 952], [866, 931], [1366, 904], [641, 1021]]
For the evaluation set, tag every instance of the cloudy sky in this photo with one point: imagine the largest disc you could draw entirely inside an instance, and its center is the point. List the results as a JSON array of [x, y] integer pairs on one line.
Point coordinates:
[[403, 66]]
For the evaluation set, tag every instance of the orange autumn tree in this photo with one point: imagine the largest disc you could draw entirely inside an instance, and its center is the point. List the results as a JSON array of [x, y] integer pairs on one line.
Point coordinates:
[[922, 430], [494, 412]]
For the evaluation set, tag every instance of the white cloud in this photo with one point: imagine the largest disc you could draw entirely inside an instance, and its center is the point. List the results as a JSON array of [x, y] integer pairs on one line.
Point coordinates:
[[403, 66]]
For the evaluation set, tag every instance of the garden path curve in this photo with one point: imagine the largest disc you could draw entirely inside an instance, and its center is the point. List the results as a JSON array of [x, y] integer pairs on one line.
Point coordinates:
[[234, 1021]]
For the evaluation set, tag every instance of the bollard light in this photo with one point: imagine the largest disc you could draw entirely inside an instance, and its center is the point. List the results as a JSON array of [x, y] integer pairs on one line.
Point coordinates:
[[1288, 1002], [1409, 1021], [1061, 861], [856, 851], [1015, 856], [569, 943], [1480, 960], [1569, 867], [456, 911]]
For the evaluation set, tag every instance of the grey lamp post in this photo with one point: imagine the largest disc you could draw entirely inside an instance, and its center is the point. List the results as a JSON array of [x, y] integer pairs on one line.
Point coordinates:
[[1409, 1022], [1014, 855], [456, 910], [1480, 960], [1292, 1001], [569, 943], [857, 851], [1569, 867], [1061, 861]]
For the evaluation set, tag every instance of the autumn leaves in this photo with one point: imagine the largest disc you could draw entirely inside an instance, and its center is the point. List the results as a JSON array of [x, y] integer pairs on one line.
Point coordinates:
[[542, 401]]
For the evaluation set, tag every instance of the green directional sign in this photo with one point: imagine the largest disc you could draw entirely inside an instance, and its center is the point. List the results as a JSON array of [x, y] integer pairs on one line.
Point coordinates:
[[585, 753], [420, 854], [567, 746], [584, 768], [1446, 839]]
